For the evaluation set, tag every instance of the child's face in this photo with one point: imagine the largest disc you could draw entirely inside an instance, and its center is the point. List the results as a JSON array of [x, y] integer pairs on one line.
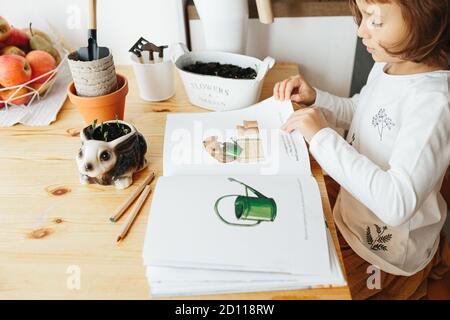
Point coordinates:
[[382, 25]]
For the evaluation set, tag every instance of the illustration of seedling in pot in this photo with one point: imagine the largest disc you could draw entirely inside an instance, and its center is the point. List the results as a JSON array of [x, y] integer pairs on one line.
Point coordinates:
[[253, 210]]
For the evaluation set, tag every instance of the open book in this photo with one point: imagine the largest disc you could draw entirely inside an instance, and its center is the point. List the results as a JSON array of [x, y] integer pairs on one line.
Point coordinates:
[[237, 204]]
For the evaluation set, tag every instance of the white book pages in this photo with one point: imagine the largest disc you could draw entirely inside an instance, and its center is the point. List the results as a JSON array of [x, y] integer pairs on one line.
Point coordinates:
[[238, 199], [194, 223], [178, 281], [192, 142]]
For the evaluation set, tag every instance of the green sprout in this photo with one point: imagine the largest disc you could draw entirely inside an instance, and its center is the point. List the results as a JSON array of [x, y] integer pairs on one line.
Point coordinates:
[[125, 129], [105, 136], [94, 124]]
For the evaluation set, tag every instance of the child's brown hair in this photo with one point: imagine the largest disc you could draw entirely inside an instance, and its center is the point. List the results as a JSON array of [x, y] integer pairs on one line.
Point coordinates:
[[428, 24]]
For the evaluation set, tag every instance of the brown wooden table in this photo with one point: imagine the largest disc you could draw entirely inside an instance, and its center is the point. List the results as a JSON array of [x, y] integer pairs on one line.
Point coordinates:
[[56, 241]]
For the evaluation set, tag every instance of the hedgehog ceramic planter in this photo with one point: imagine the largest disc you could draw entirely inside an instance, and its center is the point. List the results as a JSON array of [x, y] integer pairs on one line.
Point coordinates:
[[111, 153]]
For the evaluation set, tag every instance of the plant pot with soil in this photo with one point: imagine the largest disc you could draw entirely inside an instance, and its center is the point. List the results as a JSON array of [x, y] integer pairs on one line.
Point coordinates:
[[101, 108], [220, 81], [111, 152]]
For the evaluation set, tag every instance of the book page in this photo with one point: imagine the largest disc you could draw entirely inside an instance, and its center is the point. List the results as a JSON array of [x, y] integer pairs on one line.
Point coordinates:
[[169, 281], [252, 223], [190, 276], [247, 141]]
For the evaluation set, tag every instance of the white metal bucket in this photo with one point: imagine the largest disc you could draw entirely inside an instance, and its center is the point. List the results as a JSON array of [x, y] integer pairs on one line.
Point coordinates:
[[217, 93]]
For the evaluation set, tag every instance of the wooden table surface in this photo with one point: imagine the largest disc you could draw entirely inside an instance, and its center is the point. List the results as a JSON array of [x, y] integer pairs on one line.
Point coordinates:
[[56, 241]]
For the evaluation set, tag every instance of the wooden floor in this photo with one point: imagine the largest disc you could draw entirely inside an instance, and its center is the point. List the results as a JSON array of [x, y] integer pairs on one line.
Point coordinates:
[[437, 289]]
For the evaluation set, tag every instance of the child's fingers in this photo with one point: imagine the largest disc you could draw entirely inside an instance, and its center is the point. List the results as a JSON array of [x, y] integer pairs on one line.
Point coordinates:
[[290, 126], [294, 121], [282, 88], [290, 85], [297, 114], [291, 123], [275, 90], [296, 98], [285, 125]]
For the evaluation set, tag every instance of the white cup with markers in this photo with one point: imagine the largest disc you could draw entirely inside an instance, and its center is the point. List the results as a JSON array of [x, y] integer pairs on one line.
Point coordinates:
[[153, 70]]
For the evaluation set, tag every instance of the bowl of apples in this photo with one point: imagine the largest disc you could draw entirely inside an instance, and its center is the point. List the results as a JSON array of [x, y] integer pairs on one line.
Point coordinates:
[[29, 61]]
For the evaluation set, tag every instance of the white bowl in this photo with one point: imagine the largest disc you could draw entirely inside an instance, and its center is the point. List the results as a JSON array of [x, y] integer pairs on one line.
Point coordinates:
[[217, 93]]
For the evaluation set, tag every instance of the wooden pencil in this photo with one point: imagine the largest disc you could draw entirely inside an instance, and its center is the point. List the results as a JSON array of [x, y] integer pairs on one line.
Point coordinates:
[[121, 210], [136, 209]]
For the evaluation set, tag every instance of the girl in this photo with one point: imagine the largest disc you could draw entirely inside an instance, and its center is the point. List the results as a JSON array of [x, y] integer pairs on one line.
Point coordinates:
[[389, 211]]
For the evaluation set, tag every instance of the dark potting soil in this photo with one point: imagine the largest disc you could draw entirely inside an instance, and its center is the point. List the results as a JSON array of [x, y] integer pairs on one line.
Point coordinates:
[[221, 70], [110, 131]]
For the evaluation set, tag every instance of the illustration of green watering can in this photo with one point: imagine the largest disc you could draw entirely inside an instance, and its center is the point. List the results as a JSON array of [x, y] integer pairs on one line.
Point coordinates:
[[246, 208]]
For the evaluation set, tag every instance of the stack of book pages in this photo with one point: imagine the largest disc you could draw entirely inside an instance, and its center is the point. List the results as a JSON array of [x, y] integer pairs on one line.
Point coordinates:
[[237, 209]]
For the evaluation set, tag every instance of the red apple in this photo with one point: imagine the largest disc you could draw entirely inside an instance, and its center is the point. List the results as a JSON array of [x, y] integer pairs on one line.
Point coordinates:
[[16, 96], [41, 62], [18, 38], [5, 29], [12, 50], [14, 70]]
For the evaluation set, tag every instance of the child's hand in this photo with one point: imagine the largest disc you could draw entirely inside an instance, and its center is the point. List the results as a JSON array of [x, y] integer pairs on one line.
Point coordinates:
[[308, 121], [296, 89]]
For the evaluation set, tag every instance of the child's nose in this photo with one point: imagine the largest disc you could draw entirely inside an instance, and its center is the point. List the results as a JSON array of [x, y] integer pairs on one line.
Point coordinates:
[[363, 31]]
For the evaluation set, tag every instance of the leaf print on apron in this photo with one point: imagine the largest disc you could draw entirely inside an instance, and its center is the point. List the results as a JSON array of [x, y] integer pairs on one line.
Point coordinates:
[[378, 243], [353, 139]]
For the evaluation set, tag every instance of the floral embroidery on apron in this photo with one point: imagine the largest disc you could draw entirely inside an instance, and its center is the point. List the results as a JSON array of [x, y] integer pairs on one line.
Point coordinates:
[[379, 243], [353, 139]]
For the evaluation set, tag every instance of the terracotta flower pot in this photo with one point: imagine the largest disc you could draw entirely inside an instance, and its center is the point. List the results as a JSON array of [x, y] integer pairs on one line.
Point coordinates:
[[102, 108]]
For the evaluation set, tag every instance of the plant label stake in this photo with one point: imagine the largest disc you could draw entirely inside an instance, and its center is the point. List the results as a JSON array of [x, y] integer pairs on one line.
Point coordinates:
[[246, 208], [145, 45]]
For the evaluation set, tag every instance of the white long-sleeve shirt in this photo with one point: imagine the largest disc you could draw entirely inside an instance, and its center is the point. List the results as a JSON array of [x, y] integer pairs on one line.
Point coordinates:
[[391, 167]]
